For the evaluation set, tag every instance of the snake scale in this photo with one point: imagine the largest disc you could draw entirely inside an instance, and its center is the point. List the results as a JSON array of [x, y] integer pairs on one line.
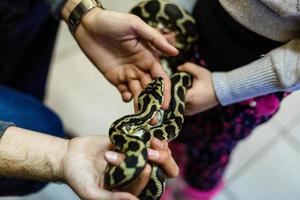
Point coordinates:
[[131, 134]]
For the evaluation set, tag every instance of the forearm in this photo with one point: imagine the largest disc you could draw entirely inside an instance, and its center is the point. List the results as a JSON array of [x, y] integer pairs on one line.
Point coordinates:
[[278, 71], [255, 79], [28, 154]]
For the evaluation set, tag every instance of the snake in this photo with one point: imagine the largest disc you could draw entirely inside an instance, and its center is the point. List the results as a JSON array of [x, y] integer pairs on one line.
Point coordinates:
[[131, 134]]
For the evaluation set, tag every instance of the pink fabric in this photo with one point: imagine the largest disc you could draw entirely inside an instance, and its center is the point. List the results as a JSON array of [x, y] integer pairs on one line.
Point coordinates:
[[168, 194], [191, 193], [179, 154], [266, 105]]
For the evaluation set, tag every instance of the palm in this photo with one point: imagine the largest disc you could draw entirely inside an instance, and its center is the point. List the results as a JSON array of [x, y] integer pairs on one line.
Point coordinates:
[[124, 49], [85, 159]]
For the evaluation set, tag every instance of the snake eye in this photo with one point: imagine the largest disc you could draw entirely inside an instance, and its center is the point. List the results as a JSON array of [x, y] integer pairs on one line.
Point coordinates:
[[128, 127]]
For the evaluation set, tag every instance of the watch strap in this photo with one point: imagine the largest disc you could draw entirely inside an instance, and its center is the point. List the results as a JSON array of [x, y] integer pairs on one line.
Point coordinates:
[[79, 12]]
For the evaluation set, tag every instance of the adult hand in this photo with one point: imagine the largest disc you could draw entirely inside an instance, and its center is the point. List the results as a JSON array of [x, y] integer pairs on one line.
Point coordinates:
[[83, 167], [125, 49], [201, 96]]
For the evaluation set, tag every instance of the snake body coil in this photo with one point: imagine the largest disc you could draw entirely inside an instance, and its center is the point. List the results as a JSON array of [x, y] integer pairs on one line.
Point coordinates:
[[131, 134]]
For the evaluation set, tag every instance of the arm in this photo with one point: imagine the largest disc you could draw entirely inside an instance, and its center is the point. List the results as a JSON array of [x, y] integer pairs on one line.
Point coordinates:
[[79, 162], [277, 71]]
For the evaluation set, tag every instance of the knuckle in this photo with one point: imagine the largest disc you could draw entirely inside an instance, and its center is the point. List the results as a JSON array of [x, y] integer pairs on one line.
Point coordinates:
[[165, 144], [164, 156]]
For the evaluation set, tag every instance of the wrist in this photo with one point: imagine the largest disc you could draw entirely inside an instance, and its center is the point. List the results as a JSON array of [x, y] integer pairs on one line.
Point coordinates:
[[88, 20], [75, 11], [58, 166], [68, 7], [214, 100]]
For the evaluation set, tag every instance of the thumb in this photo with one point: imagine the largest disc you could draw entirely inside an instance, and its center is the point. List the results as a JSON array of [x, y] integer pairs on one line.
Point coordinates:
[[155, 38], [190, 68], [114, 158]]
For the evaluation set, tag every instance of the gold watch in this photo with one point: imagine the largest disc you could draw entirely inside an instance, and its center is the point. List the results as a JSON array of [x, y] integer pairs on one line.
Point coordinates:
[[80, 11]]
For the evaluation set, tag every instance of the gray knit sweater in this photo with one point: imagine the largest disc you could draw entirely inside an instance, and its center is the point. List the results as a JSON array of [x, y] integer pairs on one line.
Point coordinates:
[[279, 70]]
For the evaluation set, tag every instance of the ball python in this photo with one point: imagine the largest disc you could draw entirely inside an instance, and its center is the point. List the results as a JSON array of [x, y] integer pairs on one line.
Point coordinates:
[[131, 134]]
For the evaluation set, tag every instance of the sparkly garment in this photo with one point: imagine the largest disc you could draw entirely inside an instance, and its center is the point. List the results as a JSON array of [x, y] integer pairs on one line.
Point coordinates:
[[210, 137]]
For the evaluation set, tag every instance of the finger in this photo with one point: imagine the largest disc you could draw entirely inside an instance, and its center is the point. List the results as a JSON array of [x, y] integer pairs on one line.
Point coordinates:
[[126, 96], [155, 38], [190, 108], [158, 144], [125, 93], [161, 155], [156, 71], [135, 88], [154, 120], [190, 68], [171, 38], [137, 186], [164, 160], [114, 158], [145, 80]]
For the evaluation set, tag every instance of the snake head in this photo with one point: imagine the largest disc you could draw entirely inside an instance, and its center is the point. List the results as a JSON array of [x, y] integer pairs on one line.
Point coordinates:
[[151, 95]]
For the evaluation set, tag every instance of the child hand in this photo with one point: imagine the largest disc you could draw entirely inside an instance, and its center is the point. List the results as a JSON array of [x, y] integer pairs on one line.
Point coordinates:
[[201, 96]]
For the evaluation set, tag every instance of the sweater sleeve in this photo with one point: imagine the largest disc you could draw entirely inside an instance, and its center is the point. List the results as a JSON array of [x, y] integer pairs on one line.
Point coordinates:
[[4, 126], [277, 71], [56, 6]]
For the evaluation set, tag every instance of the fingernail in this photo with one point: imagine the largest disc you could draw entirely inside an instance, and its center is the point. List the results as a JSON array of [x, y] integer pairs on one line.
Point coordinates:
[[111, 156], [153, 153]]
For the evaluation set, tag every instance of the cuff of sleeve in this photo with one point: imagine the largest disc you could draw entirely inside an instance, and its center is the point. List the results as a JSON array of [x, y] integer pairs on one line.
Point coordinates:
[[255, 79], [4, 126], [56, 6]]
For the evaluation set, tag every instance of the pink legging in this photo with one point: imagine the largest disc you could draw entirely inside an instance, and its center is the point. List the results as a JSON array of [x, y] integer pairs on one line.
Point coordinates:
[[210, 137]]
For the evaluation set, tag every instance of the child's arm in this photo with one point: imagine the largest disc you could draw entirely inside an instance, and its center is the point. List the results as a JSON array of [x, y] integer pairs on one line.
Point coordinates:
[[279, 70]]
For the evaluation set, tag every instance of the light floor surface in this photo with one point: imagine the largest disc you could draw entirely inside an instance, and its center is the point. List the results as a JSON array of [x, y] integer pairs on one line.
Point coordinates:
[[265, 166]]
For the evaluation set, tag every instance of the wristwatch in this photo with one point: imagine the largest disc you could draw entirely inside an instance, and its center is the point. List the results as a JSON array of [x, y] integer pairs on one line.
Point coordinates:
[[80, 11]]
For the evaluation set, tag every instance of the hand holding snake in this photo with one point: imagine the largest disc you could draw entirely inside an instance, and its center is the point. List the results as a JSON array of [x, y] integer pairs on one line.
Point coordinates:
[[131, 134]]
